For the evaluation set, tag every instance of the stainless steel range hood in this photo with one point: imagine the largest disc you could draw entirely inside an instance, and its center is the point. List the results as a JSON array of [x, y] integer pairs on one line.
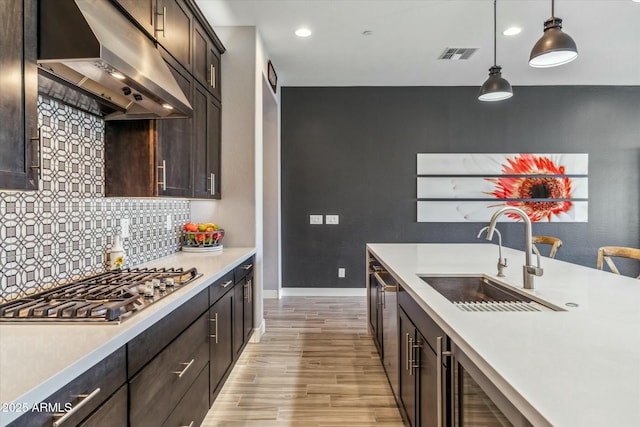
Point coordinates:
[[91, 45]]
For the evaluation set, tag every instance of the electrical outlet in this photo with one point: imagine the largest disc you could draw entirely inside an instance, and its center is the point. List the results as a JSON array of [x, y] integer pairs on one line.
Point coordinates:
[[332, 219], [124, 228], [168, 224], [315, 219], [342, 272]]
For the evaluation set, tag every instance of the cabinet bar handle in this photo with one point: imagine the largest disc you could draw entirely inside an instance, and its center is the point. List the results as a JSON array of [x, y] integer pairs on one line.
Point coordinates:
[[410, 356], [439, 356], [181, 373], [250, 286], [39, 165], [212, 179], [215, 319], [406, 352], [164, 22], [247, 266], [163, 183], [190, 424], [63, 417], [227, 283], [212, 76]]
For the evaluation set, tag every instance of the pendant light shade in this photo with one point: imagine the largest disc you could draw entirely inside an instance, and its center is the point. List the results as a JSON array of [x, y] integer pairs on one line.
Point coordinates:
[[496, 88], [554, 47]]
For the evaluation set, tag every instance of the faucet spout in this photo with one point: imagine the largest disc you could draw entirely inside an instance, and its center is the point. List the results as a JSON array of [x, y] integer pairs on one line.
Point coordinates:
[[529, 271], [501, 264]]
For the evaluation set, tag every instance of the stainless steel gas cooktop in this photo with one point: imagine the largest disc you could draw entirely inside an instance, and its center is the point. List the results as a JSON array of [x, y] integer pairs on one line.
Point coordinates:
[[109, 297]]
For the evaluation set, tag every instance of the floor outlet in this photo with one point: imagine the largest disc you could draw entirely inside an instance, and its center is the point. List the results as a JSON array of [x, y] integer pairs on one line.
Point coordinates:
[[332, 219]]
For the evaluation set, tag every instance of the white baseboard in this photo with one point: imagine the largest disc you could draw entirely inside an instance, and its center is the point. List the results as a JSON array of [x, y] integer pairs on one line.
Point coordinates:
[[270, 294], [258, 332], [323, 292]]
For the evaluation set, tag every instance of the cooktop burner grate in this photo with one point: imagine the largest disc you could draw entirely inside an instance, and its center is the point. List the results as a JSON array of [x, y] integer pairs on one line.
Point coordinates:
[[112, 296]]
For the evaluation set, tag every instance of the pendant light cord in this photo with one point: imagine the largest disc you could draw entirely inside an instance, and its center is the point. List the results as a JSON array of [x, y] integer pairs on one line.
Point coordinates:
[[495, 30], [553, 7]]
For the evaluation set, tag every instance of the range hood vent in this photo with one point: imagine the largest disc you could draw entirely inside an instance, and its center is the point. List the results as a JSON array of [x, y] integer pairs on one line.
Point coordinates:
[[89, 44], [457, 53]]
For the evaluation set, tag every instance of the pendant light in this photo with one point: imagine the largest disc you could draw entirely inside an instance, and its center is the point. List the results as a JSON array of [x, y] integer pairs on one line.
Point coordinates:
[[495, 88], [554, 47]]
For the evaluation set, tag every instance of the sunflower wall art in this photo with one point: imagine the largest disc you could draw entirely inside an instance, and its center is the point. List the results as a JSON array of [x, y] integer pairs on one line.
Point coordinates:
[[470, 187]]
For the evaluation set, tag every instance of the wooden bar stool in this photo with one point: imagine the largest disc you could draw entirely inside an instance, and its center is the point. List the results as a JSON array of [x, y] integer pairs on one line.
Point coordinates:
[[554, 242], [606, 252]]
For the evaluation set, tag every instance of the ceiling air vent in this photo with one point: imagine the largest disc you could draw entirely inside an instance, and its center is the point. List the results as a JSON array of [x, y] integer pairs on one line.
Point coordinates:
[[457, 53]]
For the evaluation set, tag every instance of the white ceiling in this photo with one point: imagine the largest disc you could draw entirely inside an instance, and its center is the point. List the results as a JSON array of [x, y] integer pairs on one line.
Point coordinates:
[[409, 35]]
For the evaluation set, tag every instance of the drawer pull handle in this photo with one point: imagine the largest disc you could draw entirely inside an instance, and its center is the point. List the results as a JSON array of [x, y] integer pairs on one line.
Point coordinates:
[[247, 266], [215, 319], [65, 416], [212, 76], [181, 373], [190, 424], [163, 183], [227, 283]]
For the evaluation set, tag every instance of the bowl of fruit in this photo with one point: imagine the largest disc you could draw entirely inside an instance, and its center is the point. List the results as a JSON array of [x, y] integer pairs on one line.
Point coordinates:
[[205, 237]]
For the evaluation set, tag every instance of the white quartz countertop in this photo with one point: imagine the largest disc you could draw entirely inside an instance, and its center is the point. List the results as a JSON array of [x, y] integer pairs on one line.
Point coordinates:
[[575, 368], [38, 359]]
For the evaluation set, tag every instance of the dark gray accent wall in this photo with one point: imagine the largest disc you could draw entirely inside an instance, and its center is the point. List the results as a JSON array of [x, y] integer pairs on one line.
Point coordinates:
[[352, 152]]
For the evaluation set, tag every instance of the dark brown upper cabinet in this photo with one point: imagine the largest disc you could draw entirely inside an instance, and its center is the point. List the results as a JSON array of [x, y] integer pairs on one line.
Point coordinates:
[[173, 29], [19, 135], [206, 60], [206, 132]]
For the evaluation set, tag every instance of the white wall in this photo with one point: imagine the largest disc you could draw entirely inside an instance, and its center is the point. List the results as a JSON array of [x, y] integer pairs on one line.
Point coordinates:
[[241, 209]]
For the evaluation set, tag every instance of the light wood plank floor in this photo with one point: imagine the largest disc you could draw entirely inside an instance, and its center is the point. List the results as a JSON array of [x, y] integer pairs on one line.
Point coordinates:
[[315, 367]]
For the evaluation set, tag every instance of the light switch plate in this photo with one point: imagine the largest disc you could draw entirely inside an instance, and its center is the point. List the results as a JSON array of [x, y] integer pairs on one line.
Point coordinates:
[[124, 228], [332, 219], [315, 219], [168, 224]]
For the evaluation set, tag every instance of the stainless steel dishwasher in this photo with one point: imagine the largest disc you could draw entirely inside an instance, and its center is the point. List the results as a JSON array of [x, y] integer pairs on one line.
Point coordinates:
[[388, 289]]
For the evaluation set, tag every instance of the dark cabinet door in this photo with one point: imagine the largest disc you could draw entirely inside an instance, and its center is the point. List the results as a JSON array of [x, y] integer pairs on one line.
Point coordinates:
[[206, 61], [173, 29], [238, 318], [19, 139], [408, 384], [428, 385], [112, 413], [175, 147], [194, 406], [142, 11], [220, 341], [206, 131]]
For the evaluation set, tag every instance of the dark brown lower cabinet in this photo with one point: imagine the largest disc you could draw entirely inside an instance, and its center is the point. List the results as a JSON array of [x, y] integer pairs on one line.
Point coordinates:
[[220, 342], [157, 389], [238, 318], [85, 394], [194, 405], [112, 413]]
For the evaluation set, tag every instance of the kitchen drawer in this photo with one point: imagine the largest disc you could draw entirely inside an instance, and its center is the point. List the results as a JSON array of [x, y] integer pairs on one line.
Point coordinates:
[[97, 383], [157, 389], [243, 269], [423, 322], [220, 287], [194, 405], [150, 342], [112, 413]]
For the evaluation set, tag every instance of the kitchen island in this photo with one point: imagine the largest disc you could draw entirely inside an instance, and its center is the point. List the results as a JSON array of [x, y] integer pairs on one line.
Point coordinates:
[[36, 360], [578, 367]]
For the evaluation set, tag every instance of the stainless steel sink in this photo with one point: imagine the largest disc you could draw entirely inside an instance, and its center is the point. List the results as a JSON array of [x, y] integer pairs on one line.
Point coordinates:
[[477, 293]]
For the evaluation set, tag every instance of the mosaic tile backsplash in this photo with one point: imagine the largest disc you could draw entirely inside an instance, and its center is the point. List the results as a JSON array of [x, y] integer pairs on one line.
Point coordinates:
[[64, 230]]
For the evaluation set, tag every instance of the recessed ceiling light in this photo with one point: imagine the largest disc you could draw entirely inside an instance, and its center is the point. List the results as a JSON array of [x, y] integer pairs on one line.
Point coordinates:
[[512, 31], [303, 32]]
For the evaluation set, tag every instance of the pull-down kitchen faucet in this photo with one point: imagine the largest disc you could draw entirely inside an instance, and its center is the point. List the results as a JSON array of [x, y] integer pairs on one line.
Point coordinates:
[[528, 271], [501, 264]]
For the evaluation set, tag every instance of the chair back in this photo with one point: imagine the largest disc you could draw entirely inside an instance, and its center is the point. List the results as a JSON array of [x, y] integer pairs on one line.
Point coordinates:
[[554, 242], [605, 254]]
